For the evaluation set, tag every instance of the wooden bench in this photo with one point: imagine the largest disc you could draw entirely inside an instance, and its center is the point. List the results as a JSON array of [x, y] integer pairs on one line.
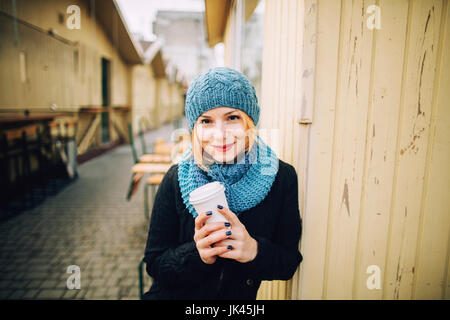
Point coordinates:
[[155, 158], [151, 167]]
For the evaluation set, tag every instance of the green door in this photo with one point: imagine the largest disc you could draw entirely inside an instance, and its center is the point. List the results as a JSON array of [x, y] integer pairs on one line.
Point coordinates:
[[106, 65]]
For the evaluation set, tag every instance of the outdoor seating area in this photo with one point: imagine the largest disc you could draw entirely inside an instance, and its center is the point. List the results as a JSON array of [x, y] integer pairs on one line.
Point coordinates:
[[37, 158], [151, 167]]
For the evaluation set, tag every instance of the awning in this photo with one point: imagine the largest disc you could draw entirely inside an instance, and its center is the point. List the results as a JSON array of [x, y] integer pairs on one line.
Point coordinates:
[[216, 16], [108, 14]]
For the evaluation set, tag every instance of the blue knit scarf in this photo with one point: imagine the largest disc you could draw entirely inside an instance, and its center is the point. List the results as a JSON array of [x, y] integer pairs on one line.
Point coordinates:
[[246, 182]]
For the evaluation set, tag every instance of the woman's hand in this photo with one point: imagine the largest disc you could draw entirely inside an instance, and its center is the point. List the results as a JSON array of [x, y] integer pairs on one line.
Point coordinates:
[[240, 245], [206, 235]]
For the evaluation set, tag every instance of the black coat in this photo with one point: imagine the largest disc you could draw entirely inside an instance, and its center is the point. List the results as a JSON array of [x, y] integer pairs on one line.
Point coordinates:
[[178, 272]]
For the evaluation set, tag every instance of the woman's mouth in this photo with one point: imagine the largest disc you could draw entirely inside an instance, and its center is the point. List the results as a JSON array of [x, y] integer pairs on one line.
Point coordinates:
[[224, 148]]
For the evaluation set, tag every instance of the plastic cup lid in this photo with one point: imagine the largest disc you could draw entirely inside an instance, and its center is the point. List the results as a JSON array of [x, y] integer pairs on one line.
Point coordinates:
[[205, 192]]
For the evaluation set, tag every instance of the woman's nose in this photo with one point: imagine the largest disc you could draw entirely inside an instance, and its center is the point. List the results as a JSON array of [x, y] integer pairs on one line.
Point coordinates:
[[220, 131]]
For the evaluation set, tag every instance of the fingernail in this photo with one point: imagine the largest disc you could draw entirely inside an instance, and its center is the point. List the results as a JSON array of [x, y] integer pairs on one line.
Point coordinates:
[[219, 206], [209, 213], [227, 224], [228, 233], [230, 247]]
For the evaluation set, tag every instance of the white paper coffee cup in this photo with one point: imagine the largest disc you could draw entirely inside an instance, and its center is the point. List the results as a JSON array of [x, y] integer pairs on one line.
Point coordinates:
[[207, 197]]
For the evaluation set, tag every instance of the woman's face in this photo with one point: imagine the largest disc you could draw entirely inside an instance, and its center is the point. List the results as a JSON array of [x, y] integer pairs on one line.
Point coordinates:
[[221, 133]]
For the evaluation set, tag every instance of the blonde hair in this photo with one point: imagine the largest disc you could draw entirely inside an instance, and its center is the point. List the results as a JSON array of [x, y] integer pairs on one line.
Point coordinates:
[[197, 150]]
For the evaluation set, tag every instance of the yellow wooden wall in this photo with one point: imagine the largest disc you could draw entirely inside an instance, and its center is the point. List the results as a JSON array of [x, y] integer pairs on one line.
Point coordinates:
[[144, 96], [66, 70], [155, 101], [54, 74], [364, 117], [281, 62]]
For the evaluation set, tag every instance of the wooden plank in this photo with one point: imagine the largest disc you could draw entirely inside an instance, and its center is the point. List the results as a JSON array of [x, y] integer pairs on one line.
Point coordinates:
[[94, 109], [348, 150], [316, 183], [431, 266], [284, 120], [422, 38], [267, 64], [306, 100], [276, 75], [289, 104], [90, 134], [266, 103], [281, 74], [118, 125], [269, 104], [446, 288], [304, 46], [298, 133], [381, 135], [151, 158], [121, 108], [151, 168], [18, 119]]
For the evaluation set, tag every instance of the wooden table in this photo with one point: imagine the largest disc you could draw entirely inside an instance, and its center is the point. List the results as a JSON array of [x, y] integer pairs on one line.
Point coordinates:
[[13, 120], [10, 122]]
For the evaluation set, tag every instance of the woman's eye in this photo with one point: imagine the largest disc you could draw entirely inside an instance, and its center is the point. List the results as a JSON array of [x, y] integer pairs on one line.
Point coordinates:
[[207, 121]]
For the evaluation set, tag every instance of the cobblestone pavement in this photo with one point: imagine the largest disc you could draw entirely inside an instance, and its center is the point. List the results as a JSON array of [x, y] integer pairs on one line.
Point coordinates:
[[88, 224]]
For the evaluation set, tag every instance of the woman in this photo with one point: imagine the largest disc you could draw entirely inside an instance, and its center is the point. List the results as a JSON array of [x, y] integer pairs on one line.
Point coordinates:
[[189, 259]]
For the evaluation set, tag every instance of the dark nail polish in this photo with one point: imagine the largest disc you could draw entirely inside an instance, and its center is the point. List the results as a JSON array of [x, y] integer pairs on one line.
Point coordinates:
[[228, 233], [209, 213], [219, 206], [227, 224], [230, 247]]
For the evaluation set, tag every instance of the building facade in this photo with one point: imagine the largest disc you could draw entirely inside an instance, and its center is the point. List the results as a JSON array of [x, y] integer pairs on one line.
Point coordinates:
[[78, 58]]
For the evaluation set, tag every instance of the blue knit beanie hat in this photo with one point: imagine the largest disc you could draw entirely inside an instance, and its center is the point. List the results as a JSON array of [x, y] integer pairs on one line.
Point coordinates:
[[221, 87]]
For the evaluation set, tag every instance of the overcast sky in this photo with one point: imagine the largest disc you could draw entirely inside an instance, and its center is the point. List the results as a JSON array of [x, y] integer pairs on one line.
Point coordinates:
[[139, 14]]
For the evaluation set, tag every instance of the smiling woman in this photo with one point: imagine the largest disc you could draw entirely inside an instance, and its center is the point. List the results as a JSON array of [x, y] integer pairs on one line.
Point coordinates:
[[189, 258]]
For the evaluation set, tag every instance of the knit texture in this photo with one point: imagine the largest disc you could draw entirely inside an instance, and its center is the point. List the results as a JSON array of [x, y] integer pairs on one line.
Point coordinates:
[[220, 87], [246, 183]]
